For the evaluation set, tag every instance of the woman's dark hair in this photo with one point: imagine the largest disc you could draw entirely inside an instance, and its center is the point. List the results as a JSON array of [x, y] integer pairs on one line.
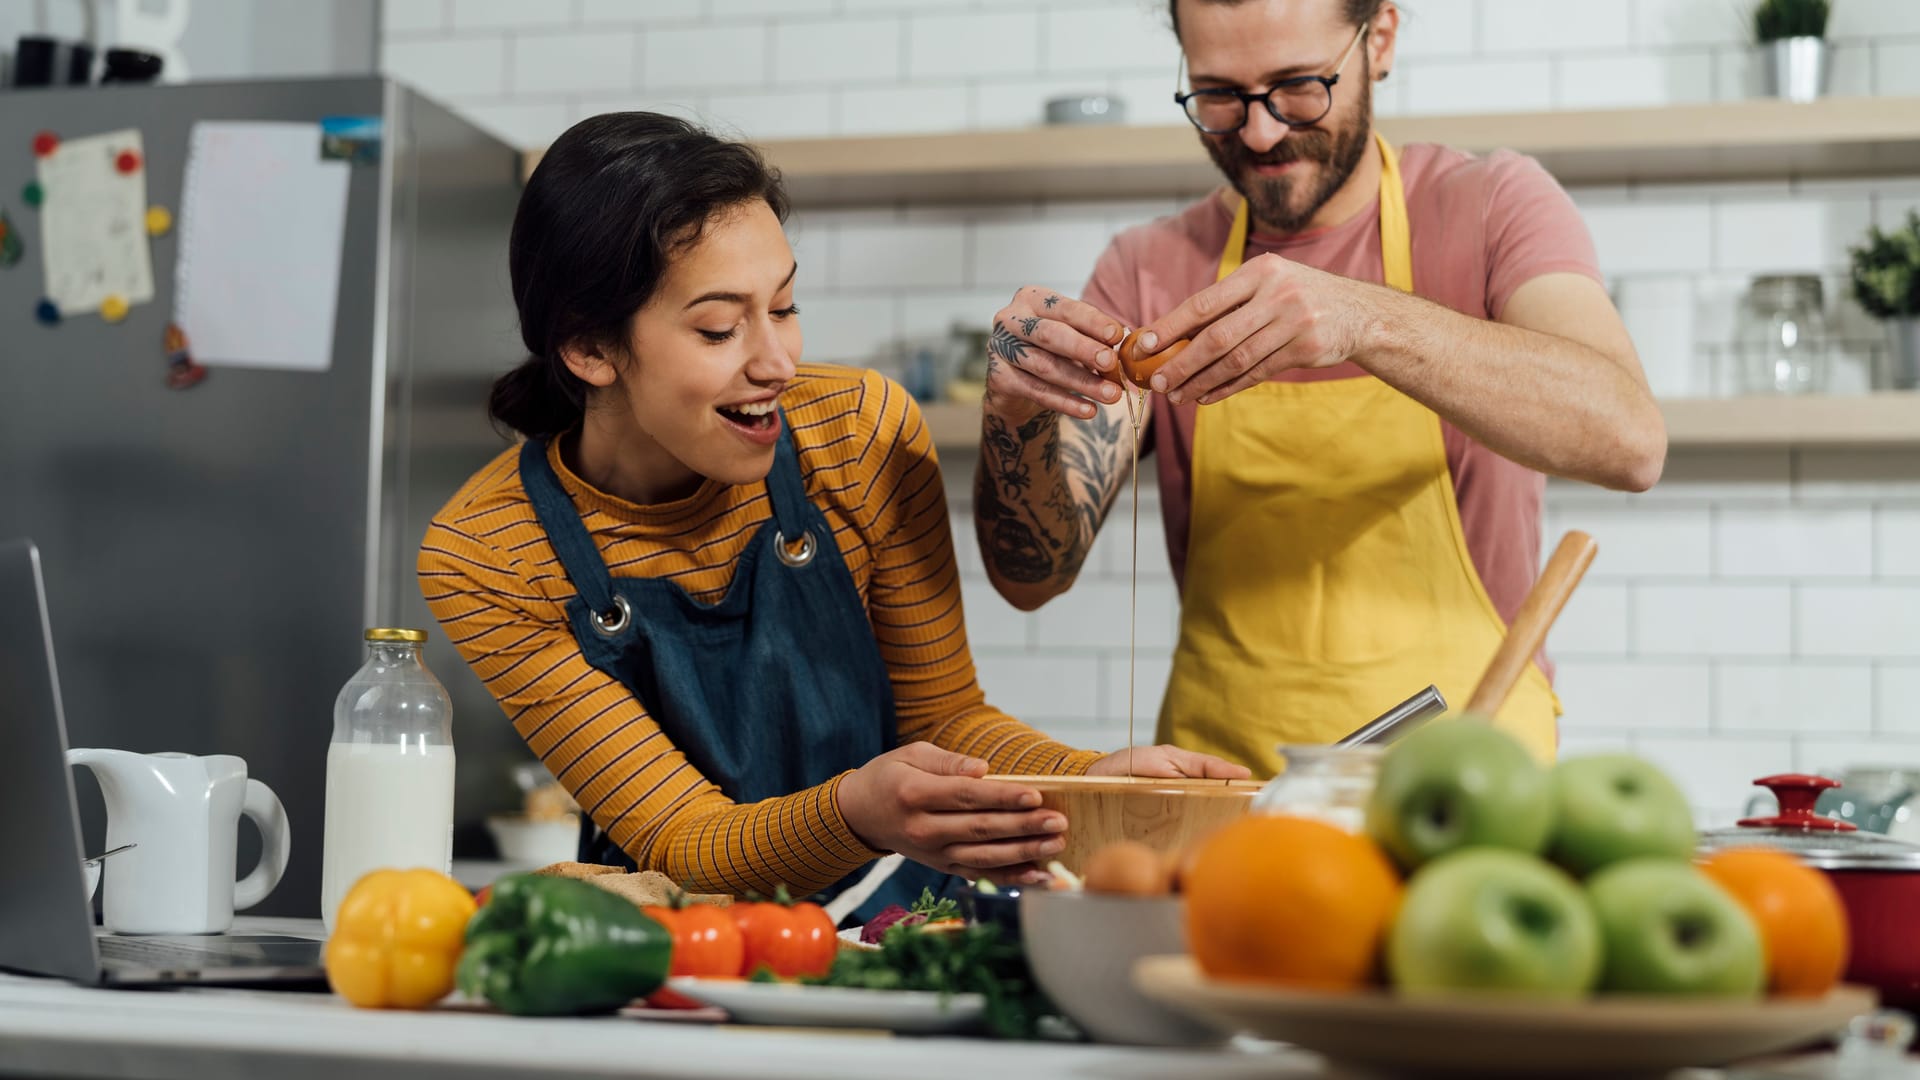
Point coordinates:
[[611, 202], [1358, 11]]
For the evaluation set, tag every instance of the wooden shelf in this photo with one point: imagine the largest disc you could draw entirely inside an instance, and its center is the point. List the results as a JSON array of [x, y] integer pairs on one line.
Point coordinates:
[[1730, 140], [1866, 420], [1885, 419]]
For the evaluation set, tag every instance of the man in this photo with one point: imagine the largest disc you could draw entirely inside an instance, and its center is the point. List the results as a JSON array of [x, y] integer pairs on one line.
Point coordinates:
[[1389, 348]]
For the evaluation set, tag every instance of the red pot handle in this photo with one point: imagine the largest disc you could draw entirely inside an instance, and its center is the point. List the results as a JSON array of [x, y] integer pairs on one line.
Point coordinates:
[[1797, 792]]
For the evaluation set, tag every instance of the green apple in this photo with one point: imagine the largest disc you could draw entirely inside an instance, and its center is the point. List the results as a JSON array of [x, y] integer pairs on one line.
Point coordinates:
[[1611, 807], [1494, 920], [1668, 929], [1458, 783]]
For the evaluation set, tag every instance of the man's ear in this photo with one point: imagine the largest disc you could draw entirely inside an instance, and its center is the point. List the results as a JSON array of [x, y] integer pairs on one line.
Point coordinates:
[[590, 363], [1382, 39]]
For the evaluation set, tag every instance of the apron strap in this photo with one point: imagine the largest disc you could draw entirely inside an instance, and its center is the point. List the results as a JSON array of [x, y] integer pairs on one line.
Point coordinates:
[[561, 520], [787, 490]]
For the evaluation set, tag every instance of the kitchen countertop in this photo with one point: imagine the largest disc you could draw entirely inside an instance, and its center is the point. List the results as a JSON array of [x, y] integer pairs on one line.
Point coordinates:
[[56, 1029], [50, 1028]]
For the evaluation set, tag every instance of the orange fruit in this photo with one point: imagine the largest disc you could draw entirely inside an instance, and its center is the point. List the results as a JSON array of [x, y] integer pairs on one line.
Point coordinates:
[[1802, 922], [1289, 900]]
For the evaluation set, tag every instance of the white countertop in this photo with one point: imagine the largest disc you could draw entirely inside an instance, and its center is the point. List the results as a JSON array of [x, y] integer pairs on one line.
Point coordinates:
[[56, 1029], [50, 1028]]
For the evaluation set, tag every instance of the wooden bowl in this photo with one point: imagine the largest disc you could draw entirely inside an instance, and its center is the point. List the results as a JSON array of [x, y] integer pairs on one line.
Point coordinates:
[[1165, 815]]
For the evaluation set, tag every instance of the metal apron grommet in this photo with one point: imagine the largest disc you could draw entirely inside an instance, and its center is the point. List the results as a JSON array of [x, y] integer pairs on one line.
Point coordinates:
[[611, 623], [789, 556]]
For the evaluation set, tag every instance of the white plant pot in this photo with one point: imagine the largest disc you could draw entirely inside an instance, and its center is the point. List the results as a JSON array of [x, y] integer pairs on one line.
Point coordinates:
[[1900, 367], [1798, 68]]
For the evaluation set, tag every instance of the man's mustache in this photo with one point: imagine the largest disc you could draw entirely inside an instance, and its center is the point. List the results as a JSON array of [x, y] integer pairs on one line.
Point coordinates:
[[1291, 149]]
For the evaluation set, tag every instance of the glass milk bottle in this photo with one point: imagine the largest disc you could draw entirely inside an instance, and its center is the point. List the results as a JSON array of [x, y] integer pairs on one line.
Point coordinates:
[[389, 769]]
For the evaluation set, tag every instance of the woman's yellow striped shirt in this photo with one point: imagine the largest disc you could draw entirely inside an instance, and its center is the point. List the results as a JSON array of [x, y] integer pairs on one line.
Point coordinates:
[[494, 582]]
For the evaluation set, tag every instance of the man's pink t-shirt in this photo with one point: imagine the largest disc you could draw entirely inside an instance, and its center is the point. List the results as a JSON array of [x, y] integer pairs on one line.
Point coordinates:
[[1482, 227]]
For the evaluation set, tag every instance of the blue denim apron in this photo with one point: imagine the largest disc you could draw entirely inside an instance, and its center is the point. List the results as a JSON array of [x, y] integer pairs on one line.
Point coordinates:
[[776, 688]]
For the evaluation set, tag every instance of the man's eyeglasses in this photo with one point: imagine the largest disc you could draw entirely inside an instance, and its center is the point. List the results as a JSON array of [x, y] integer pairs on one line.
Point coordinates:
[[1297, 102]]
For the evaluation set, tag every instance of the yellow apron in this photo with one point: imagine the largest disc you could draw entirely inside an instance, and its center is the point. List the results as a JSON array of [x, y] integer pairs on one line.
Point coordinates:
[[1327, 573]]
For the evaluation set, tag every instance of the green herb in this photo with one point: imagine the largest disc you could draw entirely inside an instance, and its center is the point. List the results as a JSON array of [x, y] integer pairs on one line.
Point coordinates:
[[1774, 20], [974, 960], [935, 910], [1886, 271]]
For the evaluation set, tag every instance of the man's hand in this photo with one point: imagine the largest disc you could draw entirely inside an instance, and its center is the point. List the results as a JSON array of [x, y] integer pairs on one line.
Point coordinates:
[[1270, 315], [1044, 354], [1167, 761]]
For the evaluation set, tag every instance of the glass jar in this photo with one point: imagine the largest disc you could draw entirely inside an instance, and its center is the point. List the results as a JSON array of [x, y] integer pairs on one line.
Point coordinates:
[[389, 769], [1782, 336], [1328, 783]]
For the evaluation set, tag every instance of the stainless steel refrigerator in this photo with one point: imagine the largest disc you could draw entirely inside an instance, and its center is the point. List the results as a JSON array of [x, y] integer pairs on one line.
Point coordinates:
[[214, 553]]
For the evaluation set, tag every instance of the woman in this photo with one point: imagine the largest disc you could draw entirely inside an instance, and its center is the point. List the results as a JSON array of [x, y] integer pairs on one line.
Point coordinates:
[[715, 589]]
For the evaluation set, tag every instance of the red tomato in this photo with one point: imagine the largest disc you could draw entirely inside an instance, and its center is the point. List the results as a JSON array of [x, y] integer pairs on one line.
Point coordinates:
[[706, 943], [789, 940]]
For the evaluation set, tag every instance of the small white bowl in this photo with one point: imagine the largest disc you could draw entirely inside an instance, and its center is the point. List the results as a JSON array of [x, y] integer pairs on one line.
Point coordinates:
[[1082, 948], [535, 842]]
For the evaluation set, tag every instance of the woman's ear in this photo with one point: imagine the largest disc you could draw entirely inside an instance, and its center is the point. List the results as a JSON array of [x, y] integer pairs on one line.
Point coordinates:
[[590, 364]]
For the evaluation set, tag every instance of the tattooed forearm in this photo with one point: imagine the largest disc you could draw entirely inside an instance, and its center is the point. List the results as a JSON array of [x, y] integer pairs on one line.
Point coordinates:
[[1041, 492], [1009, 540]]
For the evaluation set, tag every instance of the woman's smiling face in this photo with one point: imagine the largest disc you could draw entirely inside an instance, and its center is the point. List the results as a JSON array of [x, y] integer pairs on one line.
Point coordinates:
[[706, 359]]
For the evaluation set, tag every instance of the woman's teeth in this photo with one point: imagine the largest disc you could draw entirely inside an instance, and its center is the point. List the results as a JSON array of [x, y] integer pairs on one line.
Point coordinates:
[[752, 414]]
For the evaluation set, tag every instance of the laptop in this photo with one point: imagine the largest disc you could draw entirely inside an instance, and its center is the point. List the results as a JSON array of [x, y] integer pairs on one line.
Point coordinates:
[[46, 915]]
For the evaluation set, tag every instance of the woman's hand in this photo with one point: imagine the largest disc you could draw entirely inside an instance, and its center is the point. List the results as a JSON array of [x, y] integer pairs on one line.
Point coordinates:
[[1167, 761], [932, 806], [1044, 354]]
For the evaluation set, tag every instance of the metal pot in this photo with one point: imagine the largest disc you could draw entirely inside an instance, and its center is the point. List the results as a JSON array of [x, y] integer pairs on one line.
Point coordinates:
[[1798, 68], [1900, 368], [1878, 880]]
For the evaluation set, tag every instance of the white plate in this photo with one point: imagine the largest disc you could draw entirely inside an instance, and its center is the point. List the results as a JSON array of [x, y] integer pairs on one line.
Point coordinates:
[[910, 1011], [851, 936]]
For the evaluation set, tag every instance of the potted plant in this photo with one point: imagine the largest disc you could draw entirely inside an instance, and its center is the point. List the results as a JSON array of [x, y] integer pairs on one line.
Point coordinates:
[[1886, 282], [1792, 35]]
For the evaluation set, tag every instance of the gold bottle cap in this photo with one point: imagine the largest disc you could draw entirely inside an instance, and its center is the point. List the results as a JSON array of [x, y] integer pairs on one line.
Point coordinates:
[[383, 633]]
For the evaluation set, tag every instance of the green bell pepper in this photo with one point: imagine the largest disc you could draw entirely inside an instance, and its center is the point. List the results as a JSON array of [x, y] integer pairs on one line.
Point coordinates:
[[549, 946]]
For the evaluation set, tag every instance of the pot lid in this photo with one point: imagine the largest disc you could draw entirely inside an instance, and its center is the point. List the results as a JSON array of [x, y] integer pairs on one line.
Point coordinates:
[[1823, 842]]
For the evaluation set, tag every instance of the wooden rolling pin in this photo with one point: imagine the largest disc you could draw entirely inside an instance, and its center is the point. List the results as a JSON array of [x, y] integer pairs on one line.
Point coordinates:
[[1538, 611]]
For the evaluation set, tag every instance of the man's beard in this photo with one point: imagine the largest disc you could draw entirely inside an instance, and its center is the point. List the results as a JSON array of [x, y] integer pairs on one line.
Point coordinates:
[[1283, 203]]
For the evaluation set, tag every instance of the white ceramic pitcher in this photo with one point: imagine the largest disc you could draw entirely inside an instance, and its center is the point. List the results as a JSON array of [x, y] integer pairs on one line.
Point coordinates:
[[183, 812]]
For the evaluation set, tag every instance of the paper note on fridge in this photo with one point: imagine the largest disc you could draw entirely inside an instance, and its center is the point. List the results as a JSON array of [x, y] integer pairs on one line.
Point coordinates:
[[262, 221], [93, 232]]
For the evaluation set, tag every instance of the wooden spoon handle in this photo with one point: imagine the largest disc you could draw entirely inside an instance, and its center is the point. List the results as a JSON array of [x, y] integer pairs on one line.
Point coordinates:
[[1542, 606]]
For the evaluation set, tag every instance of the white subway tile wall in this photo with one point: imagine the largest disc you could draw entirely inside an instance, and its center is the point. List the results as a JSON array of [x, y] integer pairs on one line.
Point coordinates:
[[1757, 611]]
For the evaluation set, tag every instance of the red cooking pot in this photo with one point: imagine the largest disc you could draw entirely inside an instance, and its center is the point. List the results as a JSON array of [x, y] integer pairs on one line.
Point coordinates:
[[1878, 879]]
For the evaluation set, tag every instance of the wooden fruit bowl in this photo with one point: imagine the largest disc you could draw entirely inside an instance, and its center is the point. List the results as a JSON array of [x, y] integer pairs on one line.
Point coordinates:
[[1165, 815]]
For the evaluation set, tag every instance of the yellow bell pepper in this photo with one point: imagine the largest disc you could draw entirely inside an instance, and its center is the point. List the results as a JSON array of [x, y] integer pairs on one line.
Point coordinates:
[[397, 939]]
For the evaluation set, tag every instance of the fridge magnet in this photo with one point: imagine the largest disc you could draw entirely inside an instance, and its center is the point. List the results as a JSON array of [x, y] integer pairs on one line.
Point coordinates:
[[113, 307], [45, 143], [93, 222], [182, 372], [353, 139], [159, 220], [31, 193], [47, 313], [10, 246]]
